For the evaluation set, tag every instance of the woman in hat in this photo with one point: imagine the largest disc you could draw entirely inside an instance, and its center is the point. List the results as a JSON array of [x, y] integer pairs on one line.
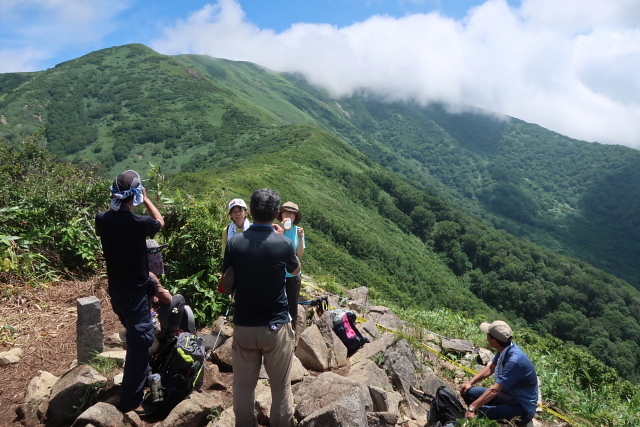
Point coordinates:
[[238, 213], [290, 216]]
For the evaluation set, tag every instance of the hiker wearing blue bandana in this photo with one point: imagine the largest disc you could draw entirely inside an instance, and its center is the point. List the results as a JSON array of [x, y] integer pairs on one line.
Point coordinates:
[[514, 396], [123, 236]]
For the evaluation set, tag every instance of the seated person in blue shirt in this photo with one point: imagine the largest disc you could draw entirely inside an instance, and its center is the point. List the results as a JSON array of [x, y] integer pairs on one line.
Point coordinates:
[[514, 396]]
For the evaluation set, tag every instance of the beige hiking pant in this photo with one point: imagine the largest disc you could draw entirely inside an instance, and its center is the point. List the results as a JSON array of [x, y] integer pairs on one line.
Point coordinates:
[[250, 345]]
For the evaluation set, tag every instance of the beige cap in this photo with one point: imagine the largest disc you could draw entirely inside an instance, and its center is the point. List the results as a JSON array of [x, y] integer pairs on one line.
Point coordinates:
[[498, 329], [290, 207]]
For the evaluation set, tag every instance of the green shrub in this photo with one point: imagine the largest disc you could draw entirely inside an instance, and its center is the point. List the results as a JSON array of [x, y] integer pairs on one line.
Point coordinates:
[[193, 231], [47, 211]]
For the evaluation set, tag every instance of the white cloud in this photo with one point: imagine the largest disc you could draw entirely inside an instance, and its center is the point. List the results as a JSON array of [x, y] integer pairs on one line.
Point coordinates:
[[570, 66], [32, 31]]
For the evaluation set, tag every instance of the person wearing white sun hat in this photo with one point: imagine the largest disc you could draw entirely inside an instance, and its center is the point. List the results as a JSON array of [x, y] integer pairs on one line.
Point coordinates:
[[238, 213]]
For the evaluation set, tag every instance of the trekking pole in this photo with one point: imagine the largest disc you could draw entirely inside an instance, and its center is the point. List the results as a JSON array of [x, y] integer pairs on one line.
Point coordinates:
[[224, 319]]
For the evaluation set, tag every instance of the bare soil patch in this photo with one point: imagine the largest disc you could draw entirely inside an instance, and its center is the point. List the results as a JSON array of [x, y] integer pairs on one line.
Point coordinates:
[[45, 324]]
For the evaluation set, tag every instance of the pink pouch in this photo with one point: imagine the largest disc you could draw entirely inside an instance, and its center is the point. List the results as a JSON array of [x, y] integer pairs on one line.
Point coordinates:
[[347, 326]]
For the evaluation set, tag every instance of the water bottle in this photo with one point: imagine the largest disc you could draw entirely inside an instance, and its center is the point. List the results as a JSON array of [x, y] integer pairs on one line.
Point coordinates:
[[156, 388]]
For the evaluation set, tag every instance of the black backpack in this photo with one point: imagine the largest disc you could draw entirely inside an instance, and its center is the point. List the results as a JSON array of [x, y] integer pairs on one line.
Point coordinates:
[[180, 365], [344, 326], [445, 407]]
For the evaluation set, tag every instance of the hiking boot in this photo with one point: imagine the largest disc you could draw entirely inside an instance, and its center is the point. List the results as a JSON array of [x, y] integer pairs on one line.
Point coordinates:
[[146, 409]]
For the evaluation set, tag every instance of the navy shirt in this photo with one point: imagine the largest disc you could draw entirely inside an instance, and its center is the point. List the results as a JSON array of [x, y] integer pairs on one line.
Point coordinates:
[[518, 377], [260, 258], [123, 236]]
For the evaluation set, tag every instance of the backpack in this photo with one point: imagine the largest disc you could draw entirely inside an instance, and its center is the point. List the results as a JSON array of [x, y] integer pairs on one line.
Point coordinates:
[[344, 326], [180, 365], [445, 407]]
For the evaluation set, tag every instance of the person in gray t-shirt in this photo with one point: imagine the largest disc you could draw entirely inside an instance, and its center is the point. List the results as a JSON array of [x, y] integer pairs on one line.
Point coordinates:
[[260, 258]]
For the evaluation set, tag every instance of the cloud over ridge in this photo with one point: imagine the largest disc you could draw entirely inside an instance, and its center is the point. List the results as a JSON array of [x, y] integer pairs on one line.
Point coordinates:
[[570, 66]]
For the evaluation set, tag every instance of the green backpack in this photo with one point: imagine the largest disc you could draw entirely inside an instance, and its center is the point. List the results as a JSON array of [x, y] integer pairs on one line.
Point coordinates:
[[181, 369]]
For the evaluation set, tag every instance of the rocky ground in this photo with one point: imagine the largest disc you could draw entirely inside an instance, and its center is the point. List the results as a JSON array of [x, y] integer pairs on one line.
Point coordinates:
[[44, 320], [371, 387]]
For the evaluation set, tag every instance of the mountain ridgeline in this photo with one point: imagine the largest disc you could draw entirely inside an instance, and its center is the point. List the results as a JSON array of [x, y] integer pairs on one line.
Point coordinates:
[[429, 208]]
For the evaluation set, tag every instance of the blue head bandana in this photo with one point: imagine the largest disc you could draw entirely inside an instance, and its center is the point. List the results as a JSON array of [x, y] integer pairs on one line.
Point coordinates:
[[124, 186]]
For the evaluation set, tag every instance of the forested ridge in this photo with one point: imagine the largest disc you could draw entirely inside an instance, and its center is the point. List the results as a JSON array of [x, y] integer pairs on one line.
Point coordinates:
[[399, 197]]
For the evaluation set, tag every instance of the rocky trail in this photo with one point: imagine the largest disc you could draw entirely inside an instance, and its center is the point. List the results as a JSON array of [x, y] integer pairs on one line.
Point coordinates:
[[369, 388]]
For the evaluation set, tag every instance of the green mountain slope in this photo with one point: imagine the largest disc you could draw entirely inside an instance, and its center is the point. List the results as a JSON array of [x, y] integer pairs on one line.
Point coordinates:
[[576, 197], [216, 124], [368, 226]]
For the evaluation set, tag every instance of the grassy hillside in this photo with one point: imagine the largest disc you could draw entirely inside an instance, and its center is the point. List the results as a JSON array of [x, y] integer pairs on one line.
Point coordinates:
[[573, 196], [368, 226], [124, 107], [349, 237]]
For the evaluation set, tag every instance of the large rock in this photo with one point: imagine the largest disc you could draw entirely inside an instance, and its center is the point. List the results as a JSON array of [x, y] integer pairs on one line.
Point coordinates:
[[12, 356], [337, 349], [193, 411], [393, 401], [34, 409], [226, 419], [382, 419], [72, 393], [329, 388], [133, 419], [429, 382], [370, 330], [346, 412], [384, 317], [226, 326], [33, 412], [298, 372], [113, 340], [212, 377], [456, 345], [401, 366], [360, 296], [391, 321], [223, 356], [374, 349], [100, 415], [368, 373], [41, 386], [312, 350], [485, 356]]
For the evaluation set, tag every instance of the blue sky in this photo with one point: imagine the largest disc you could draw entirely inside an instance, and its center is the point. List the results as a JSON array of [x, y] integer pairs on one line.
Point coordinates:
[[570, 65]]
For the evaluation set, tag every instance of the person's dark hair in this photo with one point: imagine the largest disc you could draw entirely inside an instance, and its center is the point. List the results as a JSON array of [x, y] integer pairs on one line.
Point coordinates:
[[502, 343], [264, 205]]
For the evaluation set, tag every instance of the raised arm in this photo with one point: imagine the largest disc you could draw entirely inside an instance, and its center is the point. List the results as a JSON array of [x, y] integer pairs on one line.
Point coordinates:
[[151, 208]]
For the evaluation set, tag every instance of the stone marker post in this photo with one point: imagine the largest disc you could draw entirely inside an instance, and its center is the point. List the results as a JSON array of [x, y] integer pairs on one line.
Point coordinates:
[[89, 326]]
